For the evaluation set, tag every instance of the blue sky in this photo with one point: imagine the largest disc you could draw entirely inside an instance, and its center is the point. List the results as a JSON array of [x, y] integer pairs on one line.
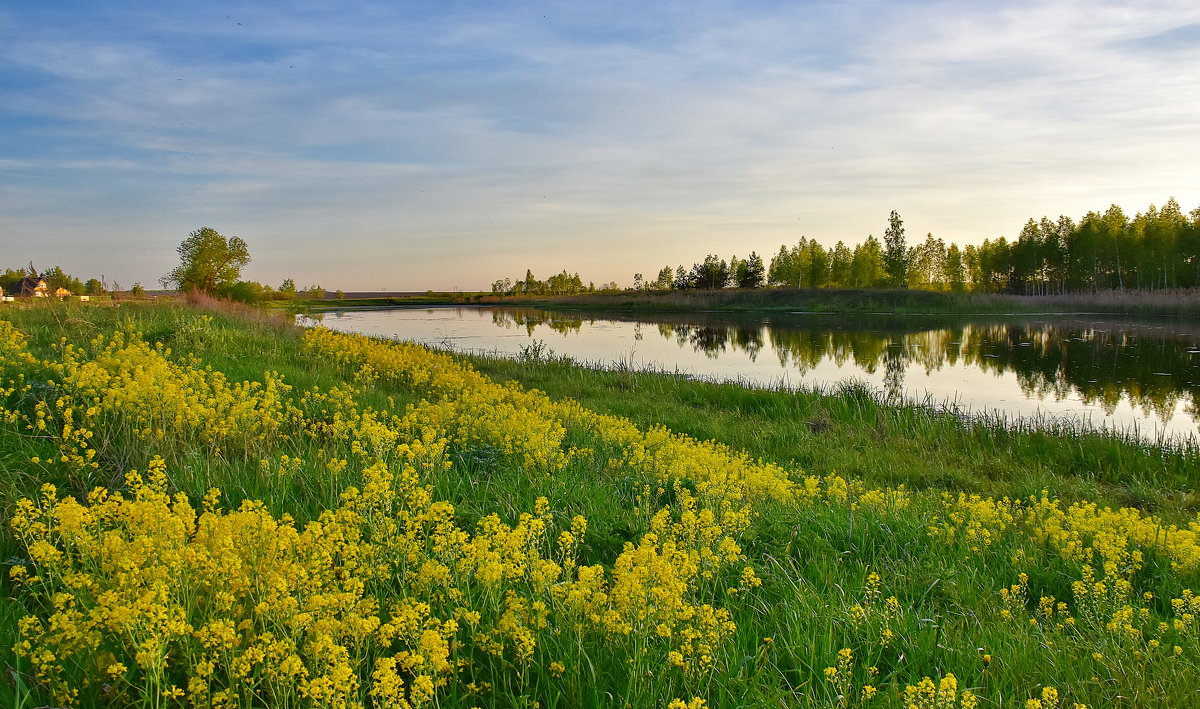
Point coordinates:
[[417, 145]]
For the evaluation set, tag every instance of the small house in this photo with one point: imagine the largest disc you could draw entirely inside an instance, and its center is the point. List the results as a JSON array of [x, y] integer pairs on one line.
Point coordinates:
[[32, 287]]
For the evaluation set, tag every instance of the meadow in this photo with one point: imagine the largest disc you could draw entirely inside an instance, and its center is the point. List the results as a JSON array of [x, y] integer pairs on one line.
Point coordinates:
[[204, 508]]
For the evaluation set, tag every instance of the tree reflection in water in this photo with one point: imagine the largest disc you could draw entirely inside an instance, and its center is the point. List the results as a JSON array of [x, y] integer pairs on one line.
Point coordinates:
[[1154, 365]]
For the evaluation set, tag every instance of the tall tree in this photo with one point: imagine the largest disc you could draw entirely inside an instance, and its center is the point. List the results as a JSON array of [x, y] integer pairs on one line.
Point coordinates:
[[712, 274], [683, 279], [895, 252], [927, 262], [840, 259], [783, 270], [817, 260], [207, 261], [1026, 259], [867, 266], [752, 272], [956, 272], [665, 279]]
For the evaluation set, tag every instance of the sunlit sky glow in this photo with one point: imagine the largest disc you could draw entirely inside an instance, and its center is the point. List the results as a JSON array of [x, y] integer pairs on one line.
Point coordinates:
[[439, 145]]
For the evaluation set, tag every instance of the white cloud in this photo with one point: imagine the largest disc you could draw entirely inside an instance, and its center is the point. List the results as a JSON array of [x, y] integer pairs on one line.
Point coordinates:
[[591, 142]]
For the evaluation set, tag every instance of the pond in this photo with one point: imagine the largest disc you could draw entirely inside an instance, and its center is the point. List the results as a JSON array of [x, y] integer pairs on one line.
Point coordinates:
[[1141, 376]]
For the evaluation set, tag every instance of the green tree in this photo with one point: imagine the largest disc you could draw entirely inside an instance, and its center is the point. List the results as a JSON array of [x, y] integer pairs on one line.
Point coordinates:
[[817, 261], [895, 252], [207, 260], [665, 280], [927, 264], [683, 279], [840, 259], [867, 266], [712, 274], [1026, 260], [93, 287], [783, 270], [287, 290], [249, 292], [752, 272], [956, 272]]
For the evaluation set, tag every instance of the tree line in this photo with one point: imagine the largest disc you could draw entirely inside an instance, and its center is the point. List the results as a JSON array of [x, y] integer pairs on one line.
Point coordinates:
[[55, 278], [1155, 249], [561, 283]]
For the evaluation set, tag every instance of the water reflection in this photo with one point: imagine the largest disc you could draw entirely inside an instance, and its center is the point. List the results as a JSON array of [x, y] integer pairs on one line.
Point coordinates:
[[1153, 366], [1117, 372]]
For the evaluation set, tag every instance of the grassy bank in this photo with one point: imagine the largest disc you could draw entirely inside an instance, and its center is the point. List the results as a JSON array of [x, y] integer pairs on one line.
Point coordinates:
[[393, 301], [325, 520], [900, 301], [849, 431]]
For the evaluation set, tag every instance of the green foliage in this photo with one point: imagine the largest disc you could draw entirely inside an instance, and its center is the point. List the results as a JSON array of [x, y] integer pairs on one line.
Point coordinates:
[[895, 252], [10, 278], [665, 279], [249, 292], [711, 274], [208, 261], [561, 283], [751, 272]]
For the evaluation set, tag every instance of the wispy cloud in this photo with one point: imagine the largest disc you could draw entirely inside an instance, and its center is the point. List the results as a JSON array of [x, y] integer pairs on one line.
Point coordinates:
[[447, 144]]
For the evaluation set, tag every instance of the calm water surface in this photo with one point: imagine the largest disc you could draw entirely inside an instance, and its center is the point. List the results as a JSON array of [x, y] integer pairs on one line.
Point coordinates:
[[1138, 375]]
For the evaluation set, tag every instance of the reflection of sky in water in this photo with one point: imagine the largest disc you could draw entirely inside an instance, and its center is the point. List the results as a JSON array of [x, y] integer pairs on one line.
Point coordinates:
[[926, 376]]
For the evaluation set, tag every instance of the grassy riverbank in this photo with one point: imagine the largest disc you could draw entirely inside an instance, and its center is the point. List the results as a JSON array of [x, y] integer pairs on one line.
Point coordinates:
[[849, 431], [326, 520]]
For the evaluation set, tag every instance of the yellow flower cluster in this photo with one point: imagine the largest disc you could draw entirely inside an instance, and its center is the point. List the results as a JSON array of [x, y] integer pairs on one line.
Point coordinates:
[[384, 597], [1075, 531], [943, 695], [222, 607]]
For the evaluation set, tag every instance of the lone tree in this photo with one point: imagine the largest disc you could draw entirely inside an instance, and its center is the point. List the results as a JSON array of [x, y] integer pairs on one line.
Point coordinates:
[[207, 261], [895, 252]]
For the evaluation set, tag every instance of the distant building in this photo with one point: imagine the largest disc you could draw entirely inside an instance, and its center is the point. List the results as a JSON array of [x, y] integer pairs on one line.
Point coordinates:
[[32, 287]]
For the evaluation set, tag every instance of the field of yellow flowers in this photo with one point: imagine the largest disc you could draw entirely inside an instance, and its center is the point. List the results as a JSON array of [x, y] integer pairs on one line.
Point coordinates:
[[201, 511]]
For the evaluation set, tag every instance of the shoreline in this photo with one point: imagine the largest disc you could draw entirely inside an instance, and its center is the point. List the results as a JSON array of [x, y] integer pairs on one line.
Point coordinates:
[[1181, 303]]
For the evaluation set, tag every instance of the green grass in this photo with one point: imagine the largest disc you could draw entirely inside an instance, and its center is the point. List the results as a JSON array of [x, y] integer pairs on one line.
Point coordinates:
[[849, 431], [814, 561]]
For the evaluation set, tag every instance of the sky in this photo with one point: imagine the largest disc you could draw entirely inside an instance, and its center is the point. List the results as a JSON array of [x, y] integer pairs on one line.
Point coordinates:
[[446, 144]]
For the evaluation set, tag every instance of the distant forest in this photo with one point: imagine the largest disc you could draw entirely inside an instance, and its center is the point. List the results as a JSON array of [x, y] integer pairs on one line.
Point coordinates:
[[1156, 249]]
